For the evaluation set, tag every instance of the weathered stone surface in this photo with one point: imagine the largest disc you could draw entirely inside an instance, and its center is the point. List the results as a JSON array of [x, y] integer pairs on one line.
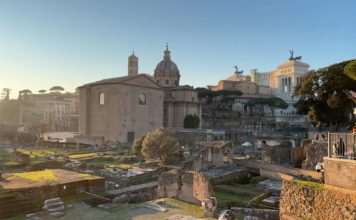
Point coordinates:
[[307, 202], [187, 190], [121, 199], [202, 188], [169, 184], [208, 154], [340, 173], [195, 188], [192, 186], [278, 153], [314, 154], [305, 142], [251, 213]]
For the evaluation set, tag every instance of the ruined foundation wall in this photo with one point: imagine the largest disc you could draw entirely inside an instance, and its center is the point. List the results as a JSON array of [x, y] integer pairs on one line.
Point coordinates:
[[309, 202], [191, 187]]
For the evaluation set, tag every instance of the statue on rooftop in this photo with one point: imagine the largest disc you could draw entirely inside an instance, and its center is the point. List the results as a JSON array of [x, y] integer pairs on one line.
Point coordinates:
[[237, 70], [291, 54]]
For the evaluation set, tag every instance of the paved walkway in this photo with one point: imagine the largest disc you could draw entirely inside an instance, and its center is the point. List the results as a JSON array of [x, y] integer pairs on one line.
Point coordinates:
[[276, 168]]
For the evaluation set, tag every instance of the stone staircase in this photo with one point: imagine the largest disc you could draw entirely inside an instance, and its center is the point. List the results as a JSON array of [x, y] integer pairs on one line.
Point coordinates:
[[54, 207]]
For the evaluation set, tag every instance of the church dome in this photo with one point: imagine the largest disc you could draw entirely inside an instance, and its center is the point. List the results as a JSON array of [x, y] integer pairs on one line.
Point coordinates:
[[167, 66], [167, 72]]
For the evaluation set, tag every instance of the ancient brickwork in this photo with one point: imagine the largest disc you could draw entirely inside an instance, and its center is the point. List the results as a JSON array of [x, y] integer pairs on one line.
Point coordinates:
[[207, 155], [277, 154], [191, 187], [302, 201], [340, 173]]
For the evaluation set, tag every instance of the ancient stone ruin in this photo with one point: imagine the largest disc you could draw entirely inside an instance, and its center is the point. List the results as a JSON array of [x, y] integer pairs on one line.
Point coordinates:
[[314, 153], [208, 154], [280, 153], [188, 186]]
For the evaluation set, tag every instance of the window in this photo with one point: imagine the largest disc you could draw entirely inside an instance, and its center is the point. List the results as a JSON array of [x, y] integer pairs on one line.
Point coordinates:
[[142, 99], [130, 137], [176, 82], [101, 98], [167, 81], [158, 81]]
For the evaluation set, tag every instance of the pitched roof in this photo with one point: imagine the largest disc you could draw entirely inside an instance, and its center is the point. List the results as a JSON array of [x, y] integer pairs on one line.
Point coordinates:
[[118, 80]]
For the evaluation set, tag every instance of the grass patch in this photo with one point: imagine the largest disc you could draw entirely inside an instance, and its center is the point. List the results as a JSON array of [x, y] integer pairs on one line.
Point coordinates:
[[36, 153], [38, 176], [82, 156], [110, 163], [120, 165], [236, 194], [317, 186], [11, 163], [87, 176], [238, 189], [226, 199]]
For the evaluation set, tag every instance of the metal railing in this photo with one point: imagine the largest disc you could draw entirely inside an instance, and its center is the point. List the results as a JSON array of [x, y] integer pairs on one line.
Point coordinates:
[[342, 145]]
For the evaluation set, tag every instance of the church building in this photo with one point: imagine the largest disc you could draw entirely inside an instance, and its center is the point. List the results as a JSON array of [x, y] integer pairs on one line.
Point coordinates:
[[123, 108]]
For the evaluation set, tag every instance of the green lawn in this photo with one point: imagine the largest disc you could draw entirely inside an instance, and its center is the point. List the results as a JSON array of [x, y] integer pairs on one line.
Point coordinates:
[[236, 194], [82, 156]]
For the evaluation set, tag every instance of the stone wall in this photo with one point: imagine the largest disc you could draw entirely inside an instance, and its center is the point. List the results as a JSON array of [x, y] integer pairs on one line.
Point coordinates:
[[191, 187], [277, 154], [20, 157], [207, 154], [303, 201], [314, 153], [340, 173], [31, 199]]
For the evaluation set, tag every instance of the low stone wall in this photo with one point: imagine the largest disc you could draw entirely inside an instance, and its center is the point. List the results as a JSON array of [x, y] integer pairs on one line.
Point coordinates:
[[134, 180], [340, 173], [305, 201], [31, 199], [266, 214]]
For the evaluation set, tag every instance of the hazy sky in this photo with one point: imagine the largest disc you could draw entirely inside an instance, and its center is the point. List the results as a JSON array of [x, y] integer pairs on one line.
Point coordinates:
[[69, 43]]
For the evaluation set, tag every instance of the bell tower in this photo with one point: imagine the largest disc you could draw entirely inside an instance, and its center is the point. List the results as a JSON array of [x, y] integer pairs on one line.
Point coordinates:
[[133, 65]]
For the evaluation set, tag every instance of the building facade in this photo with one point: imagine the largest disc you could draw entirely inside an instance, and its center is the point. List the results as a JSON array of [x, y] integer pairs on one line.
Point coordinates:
[[242, 83], [123, 108], [120, 109], [59, 111], [179, 101], [282, 83]]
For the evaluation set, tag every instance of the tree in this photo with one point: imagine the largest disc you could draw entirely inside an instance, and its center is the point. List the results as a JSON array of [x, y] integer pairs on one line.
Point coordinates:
[[6, 93], [158, 144], [191, 121], [56, 89], [23, 94], [42, 91], [272, 102], [38, 130], [350, 69], [321, 97], [137, 145]]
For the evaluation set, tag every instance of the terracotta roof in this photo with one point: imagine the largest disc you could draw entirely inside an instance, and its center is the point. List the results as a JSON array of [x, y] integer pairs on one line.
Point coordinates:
[[117, 80]]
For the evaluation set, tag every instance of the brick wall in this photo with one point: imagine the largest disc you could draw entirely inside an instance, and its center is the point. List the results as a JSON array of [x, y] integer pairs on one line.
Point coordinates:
[[340, 173]]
